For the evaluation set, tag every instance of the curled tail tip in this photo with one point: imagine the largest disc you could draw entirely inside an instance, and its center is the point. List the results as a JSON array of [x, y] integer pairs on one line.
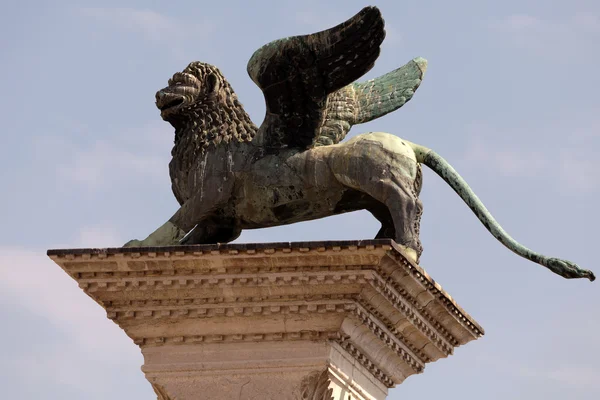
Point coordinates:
[[568, 269], [586, 273], [591, 276]]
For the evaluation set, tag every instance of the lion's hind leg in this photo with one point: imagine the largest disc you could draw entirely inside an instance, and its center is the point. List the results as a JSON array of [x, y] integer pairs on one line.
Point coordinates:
[[375, 165], [405, 209]]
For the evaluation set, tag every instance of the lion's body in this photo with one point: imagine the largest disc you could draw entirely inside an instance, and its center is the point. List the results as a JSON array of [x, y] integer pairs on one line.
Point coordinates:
[[295, 186], [377, 172]]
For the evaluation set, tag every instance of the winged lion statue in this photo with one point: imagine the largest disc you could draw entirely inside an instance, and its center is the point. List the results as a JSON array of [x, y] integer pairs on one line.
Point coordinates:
[[228, 174]]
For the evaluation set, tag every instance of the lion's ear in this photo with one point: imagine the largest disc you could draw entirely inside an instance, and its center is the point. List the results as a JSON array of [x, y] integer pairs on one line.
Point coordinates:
[[212, 84]]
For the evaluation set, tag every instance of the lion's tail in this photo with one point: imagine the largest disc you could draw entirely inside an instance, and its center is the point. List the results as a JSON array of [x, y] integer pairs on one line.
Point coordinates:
[[441, 167]]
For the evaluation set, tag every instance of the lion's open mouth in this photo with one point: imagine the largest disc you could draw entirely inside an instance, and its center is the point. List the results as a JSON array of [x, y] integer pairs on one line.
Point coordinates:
[[167, 101], [171, 104]]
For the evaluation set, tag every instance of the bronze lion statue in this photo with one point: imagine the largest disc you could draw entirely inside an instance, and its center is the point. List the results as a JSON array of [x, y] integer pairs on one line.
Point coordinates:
[[228, 174]]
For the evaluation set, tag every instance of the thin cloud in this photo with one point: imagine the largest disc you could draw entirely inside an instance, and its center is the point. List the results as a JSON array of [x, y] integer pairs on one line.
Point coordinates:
[[134, 154], [579, 173], [557, 39], [99, 236], [318, 21], [104, 162], [582, 377], [151, 24], [393, 36], [516, 162], [574, 374], [30, 282], [572, 166]]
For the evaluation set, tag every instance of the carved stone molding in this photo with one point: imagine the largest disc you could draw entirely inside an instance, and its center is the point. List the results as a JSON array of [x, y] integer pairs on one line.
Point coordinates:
[[160, 392], [320, 319], [316, 387]]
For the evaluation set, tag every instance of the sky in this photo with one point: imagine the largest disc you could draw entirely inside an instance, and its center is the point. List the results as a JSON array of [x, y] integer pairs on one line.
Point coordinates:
[[510, 99]]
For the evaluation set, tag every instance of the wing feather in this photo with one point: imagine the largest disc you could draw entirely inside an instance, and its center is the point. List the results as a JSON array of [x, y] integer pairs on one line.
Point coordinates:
[[362, 102], [297, 74]]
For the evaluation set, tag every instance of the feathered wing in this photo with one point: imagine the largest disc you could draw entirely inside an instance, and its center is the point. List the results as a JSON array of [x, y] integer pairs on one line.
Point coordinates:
[[362, 102], [297, 75]]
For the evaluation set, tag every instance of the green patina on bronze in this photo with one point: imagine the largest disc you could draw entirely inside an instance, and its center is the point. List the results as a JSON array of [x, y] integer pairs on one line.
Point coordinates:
[[229, 175]]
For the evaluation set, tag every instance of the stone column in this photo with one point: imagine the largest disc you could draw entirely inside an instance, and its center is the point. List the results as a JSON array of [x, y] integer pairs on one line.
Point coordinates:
[[317, 320]]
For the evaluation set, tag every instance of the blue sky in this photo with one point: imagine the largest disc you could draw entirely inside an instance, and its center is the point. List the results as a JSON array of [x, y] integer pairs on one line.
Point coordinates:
[[510, 99]]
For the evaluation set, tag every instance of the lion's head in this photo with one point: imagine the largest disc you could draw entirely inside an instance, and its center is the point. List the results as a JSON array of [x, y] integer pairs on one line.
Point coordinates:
[[200, 103], [197, 84]]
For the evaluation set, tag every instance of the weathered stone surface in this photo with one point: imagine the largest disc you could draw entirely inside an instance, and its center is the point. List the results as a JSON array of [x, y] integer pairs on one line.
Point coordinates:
[[314, 320]]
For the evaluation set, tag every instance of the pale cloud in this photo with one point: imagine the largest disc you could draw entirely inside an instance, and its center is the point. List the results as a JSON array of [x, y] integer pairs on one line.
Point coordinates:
[[579, 173], [582, 377], [91, 345], [574, 167], [508, 161], [393, 36], [99, 236], [133, 154], [152, 25], [576, 375], [587, 22], [29, 279], [560, 38], [103, 162], [317, 21]]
